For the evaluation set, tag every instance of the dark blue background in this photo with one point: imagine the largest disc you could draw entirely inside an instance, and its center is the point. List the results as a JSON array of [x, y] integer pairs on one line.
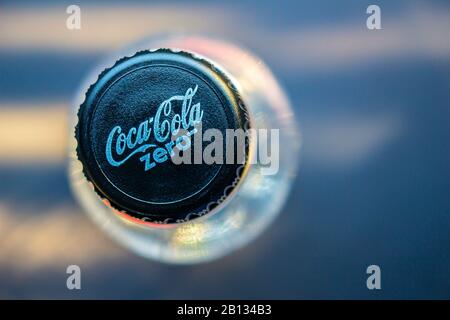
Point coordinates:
[[374, 180]]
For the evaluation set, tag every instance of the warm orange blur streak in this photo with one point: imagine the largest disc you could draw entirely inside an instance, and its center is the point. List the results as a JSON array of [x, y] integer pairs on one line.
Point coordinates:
[[103, 28], [55, 239], [33, 134]]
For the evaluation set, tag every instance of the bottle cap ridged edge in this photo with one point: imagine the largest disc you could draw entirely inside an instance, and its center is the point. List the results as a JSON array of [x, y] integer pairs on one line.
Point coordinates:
[[188, 216]]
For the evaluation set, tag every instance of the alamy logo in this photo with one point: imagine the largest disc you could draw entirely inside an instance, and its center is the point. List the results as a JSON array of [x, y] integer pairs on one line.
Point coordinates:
[[176, 128], [164, 125]]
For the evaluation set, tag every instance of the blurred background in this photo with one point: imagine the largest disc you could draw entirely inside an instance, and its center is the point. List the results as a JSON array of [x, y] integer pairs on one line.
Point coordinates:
[[374, 181]]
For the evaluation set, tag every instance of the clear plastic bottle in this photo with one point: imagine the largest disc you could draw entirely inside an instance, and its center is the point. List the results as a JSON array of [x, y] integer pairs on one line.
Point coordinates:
[[259, 198]]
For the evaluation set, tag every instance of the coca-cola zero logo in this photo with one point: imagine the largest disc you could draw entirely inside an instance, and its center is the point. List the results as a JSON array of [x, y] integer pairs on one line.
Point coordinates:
[[173, 115]]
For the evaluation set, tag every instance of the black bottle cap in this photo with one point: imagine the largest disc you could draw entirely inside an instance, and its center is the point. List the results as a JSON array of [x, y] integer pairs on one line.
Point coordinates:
[[126, 133]]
